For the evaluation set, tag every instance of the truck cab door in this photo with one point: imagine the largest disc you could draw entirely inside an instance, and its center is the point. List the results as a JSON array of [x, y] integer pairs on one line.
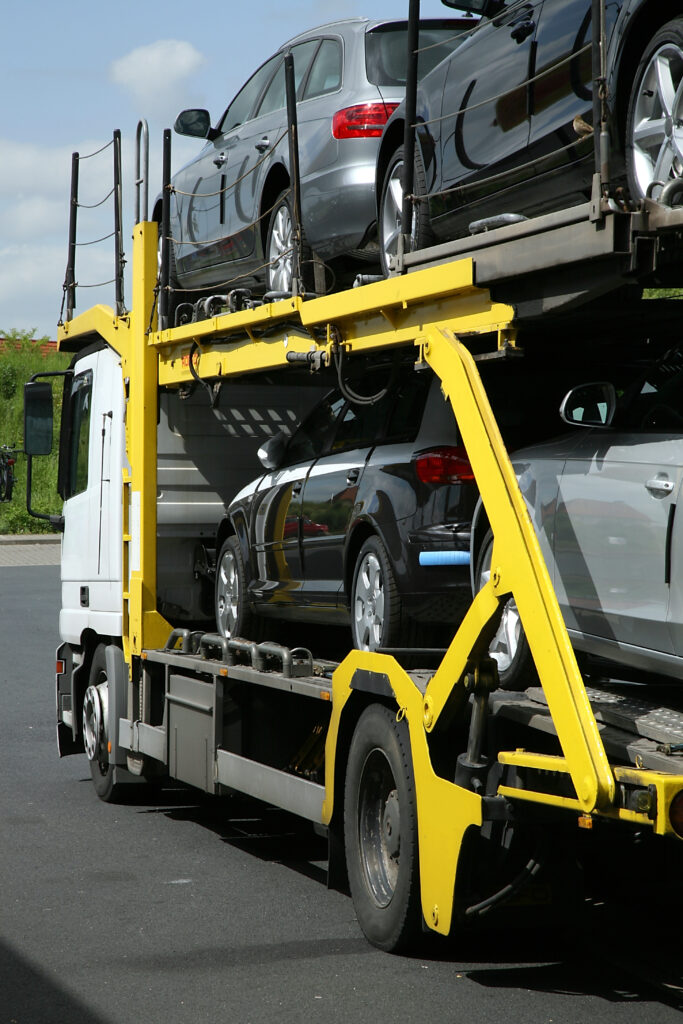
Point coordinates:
[[91, 457]]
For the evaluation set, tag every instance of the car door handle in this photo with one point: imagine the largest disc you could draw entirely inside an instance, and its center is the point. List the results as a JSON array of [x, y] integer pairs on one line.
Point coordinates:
[[296, 488], [220, 159], [263, 145], [523, 30], [352, 476], [659, 485]]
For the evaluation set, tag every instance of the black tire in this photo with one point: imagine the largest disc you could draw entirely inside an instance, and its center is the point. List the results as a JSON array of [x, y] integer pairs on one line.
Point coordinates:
[[95, 728], [391, 202], [277, 248], [380, 831], [376, 606], [650, 156], [510, 647], [234, 617], [6, 480]]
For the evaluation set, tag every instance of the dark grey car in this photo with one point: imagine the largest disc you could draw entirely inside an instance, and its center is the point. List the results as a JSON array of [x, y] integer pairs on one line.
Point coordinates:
[[231, 208], [504, 123], [605, 502]]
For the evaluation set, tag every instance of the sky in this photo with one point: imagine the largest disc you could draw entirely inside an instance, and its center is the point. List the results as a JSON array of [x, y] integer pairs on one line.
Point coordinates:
[[75, 72]]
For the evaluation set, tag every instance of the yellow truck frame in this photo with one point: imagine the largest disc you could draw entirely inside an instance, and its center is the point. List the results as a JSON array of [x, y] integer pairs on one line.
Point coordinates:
[[437, 310]]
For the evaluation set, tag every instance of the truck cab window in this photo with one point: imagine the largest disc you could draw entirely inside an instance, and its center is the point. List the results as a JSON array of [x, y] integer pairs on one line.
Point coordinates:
[[79, 413]]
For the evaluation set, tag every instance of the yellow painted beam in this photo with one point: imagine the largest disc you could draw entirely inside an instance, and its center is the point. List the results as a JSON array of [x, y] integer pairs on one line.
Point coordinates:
[[445, 811], [518, 568]]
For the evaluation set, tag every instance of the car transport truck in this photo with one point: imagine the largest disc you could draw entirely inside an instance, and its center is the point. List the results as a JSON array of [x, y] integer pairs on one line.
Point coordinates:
[[442, 795]]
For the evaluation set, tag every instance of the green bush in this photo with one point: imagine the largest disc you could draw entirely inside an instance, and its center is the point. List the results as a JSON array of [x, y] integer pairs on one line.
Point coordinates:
[[21, 358], [8, 380]]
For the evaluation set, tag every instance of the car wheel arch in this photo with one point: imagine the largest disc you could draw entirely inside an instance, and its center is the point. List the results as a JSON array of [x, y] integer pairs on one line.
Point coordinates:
[[236, 527], [276, 182], [362, 530], [390, 143]]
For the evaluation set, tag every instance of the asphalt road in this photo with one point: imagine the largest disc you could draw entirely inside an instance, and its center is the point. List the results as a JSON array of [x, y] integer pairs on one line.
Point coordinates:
[[190, 910]]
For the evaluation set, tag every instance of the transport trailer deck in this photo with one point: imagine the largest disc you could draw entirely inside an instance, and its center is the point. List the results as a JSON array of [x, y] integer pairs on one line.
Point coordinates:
[[196, 689]]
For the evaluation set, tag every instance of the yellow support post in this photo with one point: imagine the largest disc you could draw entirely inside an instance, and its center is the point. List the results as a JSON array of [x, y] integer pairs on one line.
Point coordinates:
[[143, 625]]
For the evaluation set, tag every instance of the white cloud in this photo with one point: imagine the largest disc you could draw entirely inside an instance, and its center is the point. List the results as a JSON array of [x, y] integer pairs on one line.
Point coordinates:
[[34, 218], [155, 75]]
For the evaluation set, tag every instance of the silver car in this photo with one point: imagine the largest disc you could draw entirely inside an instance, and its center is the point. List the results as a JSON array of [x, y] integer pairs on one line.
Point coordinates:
[[231, 207], [605, 503]]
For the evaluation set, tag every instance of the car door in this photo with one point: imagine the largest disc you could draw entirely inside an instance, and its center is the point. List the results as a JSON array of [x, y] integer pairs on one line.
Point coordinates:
[[213, 202], [275, 514], [485, 113], [563, 89], [329, 498], [613, 519]]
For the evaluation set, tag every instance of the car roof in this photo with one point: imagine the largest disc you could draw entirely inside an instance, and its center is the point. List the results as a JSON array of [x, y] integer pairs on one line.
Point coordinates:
[[359, 22]]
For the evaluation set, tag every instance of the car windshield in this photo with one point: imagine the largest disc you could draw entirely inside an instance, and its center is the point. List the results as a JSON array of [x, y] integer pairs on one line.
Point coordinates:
[[386, 47], [654, 401]]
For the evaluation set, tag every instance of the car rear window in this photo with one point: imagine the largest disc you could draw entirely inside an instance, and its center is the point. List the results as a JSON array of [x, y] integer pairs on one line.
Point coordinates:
[[386, 49]]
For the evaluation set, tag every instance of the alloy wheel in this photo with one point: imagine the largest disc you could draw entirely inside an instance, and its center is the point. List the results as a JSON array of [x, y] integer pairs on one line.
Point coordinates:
[[227, 593], [368, 603], [279, 255], [657, 122]]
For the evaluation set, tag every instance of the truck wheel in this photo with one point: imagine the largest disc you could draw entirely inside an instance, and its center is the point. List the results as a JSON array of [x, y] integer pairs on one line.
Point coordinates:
[[654, 132], [233, 614], [390, 208], [96, 729], [510, 647], [380, 831], [375, 601]]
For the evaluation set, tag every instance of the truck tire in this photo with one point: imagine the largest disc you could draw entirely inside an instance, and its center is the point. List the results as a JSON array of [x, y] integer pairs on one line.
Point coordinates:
[[380, 831], [95, 730], [510, 647]]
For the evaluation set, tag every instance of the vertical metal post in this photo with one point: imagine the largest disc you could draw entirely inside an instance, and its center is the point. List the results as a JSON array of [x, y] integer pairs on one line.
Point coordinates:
[[294, 173], [408, 178], [164, 297], [600, 114], [141, 171], [71, 258], [118, 226]]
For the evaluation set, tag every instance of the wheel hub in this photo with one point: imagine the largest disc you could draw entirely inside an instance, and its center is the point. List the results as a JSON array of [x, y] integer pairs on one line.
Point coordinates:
[[95, 715], [391, 825]]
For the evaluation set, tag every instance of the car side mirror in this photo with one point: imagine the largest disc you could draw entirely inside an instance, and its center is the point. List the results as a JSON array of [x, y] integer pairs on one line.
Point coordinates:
[[590, 405], [195, 123], [272, 451]]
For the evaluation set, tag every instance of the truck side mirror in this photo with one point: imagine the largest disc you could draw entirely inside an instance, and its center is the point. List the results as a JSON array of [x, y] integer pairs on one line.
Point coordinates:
[[38, 418]]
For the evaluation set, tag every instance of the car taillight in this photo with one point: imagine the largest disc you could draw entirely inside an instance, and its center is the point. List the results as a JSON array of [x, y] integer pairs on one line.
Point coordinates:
[[362, 121], [447, 465]]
